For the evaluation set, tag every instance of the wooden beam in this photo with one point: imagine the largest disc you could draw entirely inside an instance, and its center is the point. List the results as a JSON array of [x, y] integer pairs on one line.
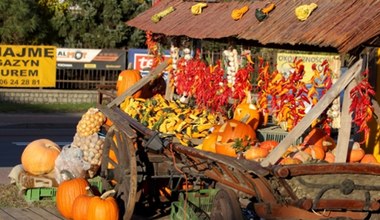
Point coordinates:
[[345, 126], [137, 86], [314, 113]]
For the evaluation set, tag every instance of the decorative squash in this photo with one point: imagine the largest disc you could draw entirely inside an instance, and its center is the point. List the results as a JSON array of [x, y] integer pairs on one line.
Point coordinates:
[[356, 154], [81, 205], [255, 153], [269, 144], [67, 192], [247, 113], [318, 137], [39, 156], [126, 79], [103, 207], [290, 161]]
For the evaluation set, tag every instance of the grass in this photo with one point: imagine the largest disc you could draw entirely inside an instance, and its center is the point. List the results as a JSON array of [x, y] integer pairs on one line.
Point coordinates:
[[45, 108]]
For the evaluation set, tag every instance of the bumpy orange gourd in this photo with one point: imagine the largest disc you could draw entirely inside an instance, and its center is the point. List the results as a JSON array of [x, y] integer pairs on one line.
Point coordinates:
[[247, 113], [67, 192], [369, 158], [126, 79], [39, 156], [103, 207], [316, 152]]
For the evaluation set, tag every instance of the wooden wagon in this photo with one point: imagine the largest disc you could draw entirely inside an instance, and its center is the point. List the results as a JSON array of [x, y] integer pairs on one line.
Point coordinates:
[[304, 191]]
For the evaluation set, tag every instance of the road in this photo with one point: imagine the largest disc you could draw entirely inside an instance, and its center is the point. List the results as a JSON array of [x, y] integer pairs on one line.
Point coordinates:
[[17, 130]]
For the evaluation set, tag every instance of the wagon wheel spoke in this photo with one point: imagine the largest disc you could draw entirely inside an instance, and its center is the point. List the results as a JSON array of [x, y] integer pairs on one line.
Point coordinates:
[[121, 169]]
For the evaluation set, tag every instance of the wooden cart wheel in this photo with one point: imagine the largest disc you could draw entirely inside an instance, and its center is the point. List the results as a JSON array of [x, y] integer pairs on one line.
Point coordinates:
[[120, 167], [226, 206]]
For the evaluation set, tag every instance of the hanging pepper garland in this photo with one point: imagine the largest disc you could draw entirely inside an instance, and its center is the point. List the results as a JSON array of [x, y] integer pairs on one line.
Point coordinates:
[[361, 105], [208, 84], [154, 49]]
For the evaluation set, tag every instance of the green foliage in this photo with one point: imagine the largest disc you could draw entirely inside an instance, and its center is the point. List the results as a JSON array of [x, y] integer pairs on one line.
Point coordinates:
[[98, 23], [23, 22]]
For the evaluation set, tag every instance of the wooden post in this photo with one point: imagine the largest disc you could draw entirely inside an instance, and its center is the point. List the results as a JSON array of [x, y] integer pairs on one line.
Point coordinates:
[[345, 126], [314, 113], [137, 86]]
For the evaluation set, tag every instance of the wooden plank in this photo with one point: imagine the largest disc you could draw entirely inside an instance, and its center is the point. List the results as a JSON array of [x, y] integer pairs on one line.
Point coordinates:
[[137, 86], [47, 213], [345, 126], [376, 110], [22, 213], [314, 113], [4, 215]]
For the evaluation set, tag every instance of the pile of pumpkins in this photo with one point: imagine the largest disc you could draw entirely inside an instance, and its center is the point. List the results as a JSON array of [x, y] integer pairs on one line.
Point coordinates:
[[237, 138], [75, 200]]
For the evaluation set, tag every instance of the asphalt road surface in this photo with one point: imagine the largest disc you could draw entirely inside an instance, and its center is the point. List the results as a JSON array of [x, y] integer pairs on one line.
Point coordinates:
[[17, 130]]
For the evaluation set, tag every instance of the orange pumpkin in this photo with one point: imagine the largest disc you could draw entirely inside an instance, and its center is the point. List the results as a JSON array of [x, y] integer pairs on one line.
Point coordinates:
[[103, 207], [369, 158], [126, 79], [67, 192], [356, 153], [269, 144], [255, 153], [247, 113], [208, 143], [81, 205], [290, 161], [39, 156], [229, 132], [329, 157], [316, 152]]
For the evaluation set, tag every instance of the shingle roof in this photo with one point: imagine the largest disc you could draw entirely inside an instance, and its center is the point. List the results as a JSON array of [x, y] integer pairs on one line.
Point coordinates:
[[340, 24]]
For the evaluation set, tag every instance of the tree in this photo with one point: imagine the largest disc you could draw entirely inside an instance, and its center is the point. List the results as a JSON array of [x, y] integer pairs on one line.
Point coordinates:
[[23, 22], [99, 23]]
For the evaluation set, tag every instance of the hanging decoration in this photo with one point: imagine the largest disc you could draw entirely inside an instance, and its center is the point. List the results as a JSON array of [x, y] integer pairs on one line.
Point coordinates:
[[197, 8], [157, 17], [304, 11], [237, 14], [263, 13]]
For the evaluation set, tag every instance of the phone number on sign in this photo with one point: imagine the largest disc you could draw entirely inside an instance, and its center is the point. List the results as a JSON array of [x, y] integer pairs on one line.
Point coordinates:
[[19, 82]]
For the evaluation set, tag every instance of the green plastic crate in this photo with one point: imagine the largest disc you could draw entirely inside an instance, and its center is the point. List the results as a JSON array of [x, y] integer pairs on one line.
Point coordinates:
[[49, 193], [38, 194], [197, 206], [274, 133]]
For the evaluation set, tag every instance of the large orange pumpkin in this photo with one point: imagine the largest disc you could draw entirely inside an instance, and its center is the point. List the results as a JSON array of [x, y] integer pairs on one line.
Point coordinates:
[[247, 113], [103, 207], [67, 192], [208, 143], [39, 156], [126, 79], [229, 132]]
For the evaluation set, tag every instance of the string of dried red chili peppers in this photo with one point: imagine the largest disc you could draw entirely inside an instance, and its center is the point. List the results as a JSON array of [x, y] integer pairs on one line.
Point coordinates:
[[361, 106], [154, 49]]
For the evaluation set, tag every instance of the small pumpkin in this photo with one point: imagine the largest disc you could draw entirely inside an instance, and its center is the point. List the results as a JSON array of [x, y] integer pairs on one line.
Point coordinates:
[[316, 152], [126, 79], [329, 157], [255, 153], [269, 144], [67, 192], [81, 205], [39, 156], [369, 158], [247, 113], [208, 143], [290, 161], [356, 153], [103, 207]]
